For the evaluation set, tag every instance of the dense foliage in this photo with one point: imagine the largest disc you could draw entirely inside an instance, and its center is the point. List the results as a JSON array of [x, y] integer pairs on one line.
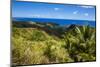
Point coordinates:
[[36, 46]]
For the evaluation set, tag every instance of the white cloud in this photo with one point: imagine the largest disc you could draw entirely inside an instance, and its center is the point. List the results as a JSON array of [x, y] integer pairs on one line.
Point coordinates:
[[86, 14], [87, 6], [36, 16], [75, 12], [56, 9], [39, 16]]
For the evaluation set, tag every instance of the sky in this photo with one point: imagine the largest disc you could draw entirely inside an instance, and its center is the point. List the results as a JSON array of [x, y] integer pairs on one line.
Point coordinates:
[[55, 11]]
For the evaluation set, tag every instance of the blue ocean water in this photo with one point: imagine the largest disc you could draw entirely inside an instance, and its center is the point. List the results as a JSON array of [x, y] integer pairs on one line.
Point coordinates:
[[58, 21]]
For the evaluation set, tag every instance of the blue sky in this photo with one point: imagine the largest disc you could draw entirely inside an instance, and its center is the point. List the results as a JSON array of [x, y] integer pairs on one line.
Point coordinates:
[[57, 11]]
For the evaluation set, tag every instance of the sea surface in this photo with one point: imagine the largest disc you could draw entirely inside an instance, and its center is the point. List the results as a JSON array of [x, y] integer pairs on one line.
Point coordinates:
[[58, 21]]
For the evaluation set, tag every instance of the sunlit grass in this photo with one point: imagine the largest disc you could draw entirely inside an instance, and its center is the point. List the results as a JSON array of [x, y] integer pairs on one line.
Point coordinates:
[[33, 46]]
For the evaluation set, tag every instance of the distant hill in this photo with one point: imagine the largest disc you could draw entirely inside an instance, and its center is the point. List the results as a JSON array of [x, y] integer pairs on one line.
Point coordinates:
[[61, 22], [49, 27]]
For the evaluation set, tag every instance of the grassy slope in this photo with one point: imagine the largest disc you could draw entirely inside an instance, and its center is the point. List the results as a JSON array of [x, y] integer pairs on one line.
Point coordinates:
[[36, 46]]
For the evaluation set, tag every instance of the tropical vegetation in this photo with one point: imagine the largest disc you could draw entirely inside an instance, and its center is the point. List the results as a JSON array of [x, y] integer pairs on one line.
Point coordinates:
[[36, 43]]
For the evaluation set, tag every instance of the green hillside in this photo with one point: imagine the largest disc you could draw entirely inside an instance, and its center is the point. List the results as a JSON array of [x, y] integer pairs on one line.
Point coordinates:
[[40, 44]]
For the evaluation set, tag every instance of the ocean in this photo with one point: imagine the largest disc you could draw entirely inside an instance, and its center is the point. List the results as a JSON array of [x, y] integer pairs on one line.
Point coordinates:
[[58, 21]]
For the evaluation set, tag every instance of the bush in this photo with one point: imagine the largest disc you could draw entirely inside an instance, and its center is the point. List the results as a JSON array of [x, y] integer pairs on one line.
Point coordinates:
[[33, 46]]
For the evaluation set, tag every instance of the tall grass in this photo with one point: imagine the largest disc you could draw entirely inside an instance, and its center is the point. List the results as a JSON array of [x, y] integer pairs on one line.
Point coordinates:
[[33, 46]]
